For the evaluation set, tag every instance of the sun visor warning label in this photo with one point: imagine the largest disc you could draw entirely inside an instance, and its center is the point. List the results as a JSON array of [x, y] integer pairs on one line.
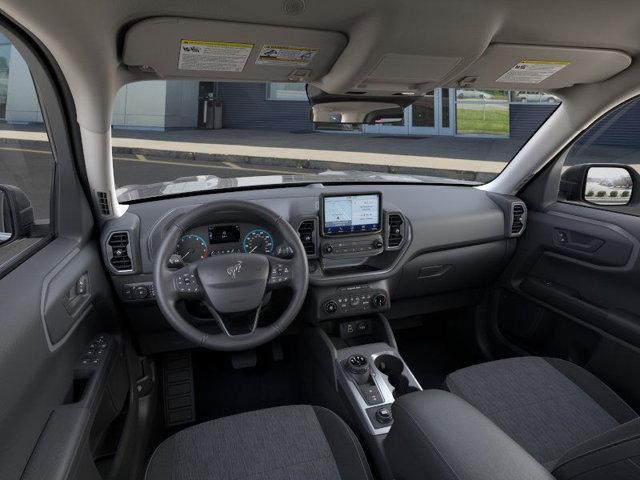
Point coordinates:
[[213, 56], [532, 71], [285, 56]]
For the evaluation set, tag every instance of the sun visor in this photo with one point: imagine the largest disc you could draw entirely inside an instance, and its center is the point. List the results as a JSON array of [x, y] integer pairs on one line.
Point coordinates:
[[191, 48], [529, 67]]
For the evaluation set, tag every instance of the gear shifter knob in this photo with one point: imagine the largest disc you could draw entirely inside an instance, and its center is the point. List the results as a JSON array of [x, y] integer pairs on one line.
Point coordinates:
[[358, 366]]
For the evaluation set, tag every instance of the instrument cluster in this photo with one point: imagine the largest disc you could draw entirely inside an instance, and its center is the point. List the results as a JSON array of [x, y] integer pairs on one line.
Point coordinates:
[[202, 242]]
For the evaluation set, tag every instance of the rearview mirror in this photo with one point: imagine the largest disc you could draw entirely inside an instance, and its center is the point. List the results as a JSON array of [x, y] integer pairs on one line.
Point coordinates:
[[16, 214], [356, 109], [608, 186]]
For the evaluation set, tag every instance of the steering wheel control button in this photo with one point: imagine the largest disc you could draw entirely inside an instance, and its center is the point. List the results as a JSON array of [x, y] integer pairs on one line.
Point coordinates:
[[279, 274], [187, 283]]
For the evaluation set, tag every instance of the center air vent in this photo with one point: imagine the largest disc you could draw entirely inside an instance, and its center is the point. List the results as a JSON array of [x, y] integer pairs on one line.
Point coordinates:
[[395, 224], [118, 251], [306, 230], [519, 218]]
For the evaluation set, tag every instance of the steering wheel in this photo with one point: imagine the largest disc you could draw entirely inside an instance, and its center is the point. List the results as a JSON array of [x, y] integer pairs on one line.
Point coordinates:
[[232, 286]]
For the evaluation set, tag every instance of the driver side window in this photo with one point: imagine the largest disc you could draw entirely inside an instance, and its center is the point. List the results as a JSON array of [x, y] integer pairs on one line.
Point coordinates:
[[27, 165]]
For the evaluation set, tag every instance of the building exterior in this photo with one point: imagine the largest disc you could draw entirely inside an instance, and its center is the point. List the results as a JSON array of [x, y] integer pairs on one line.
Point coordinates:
[[182, 104]]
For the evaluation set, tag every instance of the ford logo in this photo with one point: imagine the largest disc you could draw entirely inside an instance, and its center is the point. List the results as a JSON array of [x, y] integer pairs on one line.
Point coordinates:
[[235, 269]]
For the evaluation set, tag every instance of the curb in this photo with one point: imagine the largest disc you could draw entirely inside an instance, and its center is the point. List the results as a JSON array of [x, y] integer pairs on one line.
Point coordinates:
[[467, 175]]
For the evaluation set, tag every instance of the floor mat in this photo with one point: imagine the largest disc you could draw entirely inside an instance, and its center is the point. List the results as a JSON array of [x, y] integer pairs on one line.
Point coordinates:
[[221, 390], [434, 349]]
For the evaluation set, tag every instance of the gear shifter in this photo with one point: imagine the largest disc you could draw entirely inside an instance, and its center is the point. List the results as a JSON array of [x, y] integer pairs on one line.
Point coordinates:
[[358, 366]]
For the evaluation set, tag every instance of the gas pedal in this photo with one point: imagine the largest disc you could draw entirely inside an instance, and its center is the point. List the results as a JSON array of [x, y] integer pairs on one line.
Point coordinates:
[[177, 385]]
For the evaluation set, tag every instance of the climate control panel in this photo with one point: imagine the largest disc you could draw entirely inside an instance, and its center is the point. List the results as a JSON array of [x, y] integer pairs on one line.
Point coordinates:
[[354, 300]]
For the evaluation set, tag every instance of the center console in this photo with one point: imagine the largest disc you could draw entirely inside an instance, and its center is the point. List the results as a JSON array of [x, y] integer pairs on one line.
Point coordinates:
[[367, 375], [372, 377]]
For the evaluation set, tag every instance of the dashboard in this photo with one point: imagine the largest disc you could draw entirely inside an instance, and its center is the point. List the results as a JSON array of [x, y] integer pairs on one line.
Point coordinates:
[[396, 249]]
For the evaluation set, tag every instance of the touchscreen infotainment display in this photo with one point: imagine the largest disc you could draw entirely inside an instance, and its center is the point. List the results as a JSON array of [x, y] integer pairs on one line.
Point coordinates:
[[351, 214]]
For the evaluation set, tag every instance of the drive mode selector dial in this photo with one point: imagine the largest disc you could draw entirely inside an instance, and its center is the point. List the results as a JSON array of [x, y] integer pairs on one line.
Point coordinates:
[[357, 364]]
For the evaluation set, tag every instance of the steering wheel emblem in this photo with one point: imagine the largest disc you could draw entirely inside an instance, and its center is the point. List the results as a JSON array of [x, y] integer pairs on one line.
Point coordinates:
[[234, 269]]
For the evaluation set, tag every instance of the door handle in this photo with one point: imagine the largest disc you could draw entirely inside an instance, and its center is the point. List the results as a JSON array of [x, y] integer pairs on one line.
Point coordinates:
[[78, 295], [576, 240]]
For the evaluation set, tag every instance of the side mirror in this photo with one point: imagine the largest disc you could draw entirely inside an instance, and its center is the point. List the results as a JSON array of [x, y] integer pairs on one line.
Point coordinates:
[[608, 186], [16, 214], [611, 185]]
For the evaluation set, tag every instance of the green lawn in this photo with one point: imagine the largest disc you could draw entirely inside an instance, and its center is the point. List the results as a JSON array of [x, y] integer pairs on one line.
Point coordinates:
[[488, 120]]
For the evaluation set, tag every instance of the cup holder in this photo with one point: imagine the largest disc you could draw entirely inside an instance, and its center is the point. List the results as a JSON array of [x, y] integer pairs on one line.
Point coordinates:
[[393, 367]]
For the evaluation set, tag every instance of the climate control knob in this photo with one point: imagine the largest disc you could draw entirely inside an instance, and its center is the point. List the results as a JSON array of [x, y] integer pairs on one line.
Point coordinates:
[[328, 248], [377, 244], [379, 300], [331, 307]]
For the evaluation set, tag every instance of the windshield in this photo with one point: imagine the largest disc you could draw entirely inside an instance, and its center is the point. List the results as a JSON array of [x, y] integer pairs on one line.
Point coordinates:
[[178, 136]]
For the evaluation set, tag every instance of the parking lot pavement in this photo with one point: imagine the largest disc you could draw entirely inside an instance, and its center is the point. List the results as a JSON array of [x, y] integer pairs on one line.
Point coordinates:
[[32, 168], [453, 157]]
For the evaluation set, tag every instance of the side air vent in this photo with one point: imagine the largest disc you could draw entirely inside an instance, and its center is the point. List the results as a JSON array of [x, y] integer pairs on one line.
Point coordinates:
[[103, 203], [518, 219], [395, 224], [119, 252], [306, 230]]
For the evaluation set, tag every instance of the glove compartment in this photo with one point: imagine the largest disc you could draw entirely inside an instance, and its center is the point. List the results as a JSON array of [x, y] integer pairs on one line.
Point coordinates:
[[453, 269]]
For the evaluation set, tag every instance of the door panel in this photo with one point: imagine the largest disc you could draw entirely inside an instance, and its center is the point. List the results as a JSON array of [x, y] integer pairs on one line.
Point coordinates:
[[38, 374], [56, 402], [572, 292]]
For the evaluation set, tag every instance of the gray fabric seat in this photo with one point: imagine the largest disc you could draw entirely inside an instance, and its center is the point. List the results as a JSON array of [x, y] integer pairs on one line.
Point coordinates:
[[293, 442], [548, 406]]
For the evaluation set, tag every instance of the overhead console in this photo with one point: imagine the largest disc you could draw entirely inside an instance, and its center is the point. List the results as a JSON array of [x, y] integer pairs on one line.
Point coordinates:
[[174, 47]]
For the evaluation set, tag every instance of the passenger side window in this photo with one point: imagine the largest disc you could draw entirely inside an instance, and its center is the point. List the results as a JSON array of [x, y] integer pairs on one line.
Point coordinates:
[[27, 166], [602, 167]]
